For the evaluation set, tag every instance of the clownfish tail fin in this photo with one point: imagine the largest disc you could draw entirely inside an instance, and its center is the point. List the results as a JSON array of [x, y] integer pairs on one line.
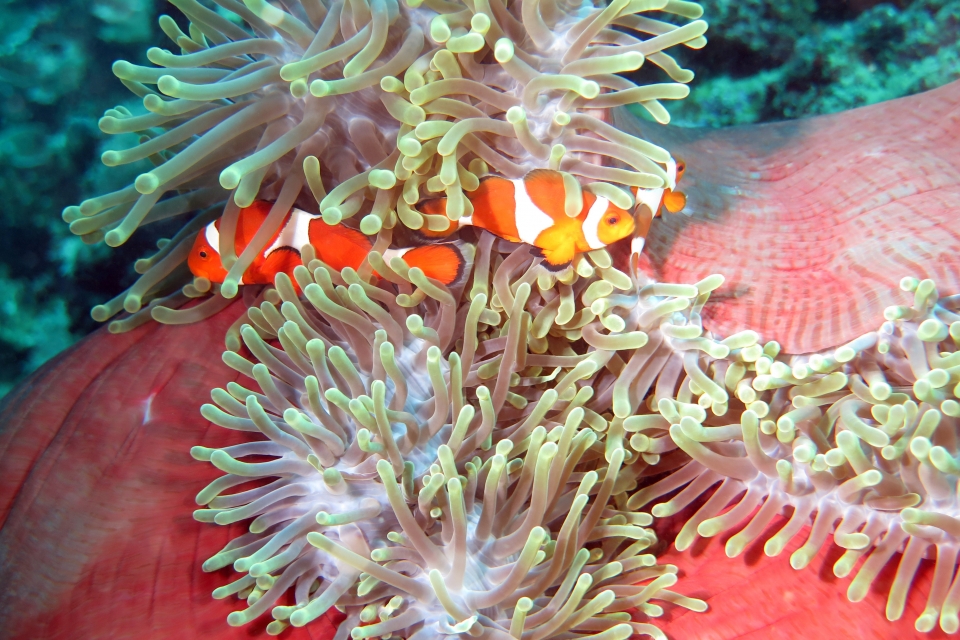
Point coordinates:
[[441, 262]]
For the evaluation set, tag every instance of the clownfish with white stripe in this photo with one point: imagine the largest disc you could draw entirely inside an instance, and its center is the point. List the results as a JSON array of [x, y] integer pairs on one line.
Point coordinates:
[[337, 245], [651, 201], [531, 210]]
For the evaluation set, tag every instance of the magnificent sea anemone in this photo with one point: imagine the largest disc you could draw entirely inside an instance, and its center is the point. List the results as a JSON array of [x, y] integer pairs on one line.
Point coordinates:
[[516, 455]]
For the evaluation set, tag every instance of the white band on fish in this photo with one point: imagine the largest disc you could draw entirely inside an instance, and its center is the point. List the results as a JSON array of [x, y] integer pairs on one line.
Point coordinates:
[[531, 221], [213, 236], [294, 235], [591, 225]]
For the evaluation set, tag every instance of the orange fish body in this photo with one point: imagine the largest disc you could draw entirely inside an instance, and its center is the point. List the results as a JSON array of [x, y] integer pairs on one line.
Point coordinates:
[[531, 211], [337, 245]]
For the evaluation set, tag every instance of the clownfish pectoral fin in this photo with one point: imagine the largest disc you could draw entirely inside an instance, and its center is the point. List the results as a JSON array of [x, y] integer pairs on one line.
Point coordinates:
[[556, 267], [280, 260], [441, 262], [557, 246], [674, 201]]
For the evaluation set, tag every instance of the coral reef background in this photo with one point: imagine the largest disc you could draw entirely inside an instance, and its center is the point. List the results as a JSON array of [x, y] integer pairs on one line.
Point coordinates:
[[765, 62]]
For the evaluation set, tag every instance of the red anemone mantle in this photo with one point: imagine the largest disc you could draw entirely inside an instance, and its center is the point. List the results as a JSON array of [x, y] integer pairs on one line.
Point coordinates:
[[813, 222]]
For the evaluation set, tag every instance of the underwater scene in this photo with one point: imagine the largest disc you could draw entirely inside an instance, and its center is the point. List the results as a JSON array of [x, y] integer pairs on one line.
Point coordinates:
[[507, 319]]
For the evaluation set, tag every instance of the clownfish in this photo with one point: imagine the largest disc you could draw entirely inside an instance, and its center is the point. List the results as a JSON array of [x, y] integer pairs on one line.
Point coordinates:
[[531, 210], [337, 245], [651, 201]]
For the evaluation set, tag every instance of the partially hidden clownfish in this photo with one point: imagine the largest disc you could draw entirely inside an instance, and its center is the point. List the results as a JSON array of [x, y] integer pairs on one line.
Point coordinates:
[[531, 210], [649, 203], [337, 245]]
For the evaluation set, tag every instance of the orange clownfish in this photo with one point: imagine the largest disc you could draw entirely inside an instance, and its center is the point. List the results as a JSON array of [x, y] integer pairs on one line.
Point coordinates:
[[337, 245], [531, 211], [651, 201]]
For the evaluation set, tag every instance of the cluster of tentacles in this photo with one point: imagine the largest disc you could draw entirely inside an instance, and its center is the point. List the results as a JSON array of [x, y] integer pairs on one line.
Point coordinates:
[[357, 110], [431, 491]]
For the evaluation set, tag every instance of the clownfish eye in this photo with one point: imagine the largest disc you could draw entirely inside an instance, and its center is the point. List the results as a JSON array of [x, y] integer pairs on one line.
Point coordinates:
[[612, 220], [681, 167], [203, 254]]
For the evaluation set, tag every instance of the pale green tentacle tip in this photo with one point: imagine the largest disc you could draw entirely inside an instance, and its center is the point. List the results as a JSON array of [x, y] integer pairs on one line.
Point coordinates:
[[385, 469], [168, 85], [409, 146], [932, 330], [201, 453], [382, 179], [516, 115], [111, 158], [955, 331], [122, 69], [503, 50], [332, 215], [299, 88], [390, 84], [589, 89], [480, 23], [237, 619], [71, 213], [439, 30], [146, 183], [710, 283], [319, 88], [371, 224], [276, 627], [230, 178], [115, 238], [229, 288], [332, 477], [909, 284]]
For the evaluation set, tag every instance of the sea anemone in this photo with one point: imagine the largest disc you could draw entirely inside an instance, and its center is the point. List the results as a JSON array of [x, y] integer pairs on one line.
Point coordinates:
[[472, 460]]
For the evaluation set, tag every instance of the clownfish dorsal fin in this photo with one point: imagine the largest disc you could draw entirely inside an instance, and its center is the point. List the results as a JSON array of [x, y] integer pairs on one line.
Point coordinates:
[[547, 191], [441, 262]]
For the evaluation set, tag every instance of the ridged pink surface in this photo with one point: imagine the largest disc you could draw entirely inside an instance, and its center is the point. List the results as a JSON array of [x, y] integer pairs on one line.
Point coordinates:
[[814, 222]]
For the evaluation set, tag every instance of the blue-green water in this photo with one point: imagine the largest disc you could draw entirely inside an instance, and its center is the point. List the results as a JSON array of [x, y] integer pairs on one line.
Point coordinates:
[[765, 61]]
